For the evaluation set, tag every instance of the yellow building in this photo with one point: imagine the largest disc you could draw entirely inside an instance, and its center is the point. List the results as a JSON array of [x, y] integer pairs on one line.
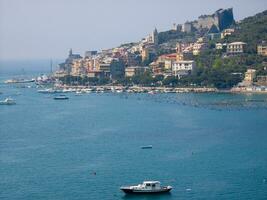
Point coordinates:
[[250, 75], [262, 80], [77, 67], [145, 54]]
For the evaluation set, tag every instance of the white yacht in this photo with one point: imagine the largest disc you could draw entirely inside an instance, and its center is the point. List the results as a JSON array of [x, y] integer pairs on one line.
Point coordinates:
[[146, 187], [7, 101]]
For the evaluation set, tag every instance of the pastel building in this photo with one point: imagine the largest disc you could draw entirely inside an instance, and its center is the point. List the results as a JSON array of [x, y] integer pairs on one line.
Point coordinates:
[[236, 47], [183, 68]]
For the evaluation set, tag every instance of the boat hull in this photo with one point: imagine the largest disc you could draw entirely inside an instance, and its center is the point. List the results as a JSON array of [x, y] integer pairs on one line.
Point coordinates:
[[8, 104], [58, 98]]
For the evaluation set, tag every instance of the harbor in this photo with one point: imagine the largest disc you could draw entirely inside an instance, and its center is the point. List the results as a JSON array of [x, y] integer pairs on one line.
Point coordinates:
[[133, 100]]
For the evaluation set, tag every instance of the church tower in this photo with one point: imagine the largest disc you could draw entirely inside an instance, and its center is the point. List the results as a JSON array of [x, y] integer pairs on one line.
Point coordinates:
[[155, 39], [70, 52]]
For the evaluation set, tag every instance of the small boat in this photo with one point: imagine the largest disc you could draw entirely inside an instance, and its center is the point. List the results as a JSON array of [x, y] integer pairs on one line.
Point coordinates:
[[61, 97], [151, 92], [46, 91], [147, 187], [10, 81], [8, 101], [146, 147]]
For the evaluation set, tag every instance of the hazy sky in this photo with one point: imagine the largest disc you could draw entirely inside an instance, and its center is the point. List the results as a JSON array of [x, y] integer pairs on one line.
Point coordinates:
[[33, 29]]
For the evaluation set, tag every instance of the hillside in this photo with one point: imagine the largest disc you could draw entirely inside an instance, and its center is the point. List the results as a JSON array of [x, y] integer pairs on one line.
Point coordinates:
[[251, 30], [222, 72]]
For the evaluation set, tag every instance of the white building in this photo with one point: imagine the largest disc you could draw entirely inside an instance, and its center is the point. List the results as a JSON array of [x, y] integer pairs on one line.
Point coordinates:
[[183, 67], [236, 47]]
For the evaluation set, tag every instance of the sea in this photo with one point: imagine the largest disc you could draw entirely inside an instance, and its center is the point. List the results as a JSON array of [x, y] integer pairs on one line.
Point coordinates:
[[206, 146]]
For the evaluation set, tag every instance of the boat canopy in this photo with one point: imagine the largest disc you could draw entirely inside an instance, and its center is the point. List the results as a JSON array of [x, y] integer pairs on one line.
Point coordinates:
[[151, 182]]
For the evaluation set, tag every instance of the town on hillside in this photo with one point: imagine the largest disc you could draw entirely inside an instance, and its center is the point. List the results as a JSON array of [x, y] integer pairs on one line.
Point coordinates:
[[212, 51]]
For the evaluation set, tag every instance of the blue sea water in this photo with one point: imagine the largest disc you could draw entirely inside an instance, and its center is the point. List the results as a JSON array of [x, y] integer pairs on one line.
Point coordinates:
[[207, 146]]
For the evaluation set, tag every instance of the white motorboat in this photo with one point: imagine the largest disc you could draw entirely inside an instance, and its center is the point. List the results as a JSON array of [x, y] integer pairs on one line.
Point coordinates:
[[10, 81], [146, 187], [8, 101]]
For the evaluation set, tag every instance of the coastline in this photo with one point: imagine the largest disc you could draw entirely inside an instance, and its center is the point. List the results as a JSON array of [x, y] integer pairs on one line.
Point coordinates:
[[137, 89]]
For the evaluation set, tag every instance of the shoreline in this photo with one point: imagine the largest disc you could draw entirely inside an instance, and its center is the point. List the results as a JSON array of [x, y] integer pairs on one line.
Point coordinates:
[[139, 89], [145, 89]]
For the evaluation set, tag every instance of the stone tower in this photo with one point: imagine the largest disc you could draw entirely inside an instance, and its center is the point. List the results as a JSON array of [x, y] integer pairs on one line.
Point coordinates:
[[155, 39], [70, 52]]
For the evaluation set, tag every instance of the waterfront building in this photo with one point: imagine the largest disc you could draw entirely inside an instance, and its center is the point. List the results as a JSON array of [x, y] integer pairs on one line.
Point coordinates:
[[105, 68], [261, 80], [262, 49], [250, 75], [77, 67], [135, 70], [167, 60], [236, 47], [183, 68], [90, 63], [249, 78]]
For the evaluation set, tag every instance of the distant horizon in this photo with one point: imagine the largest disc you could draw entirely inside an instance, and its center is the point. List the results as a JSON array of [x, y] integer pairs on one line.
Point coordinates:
[[32, 34]]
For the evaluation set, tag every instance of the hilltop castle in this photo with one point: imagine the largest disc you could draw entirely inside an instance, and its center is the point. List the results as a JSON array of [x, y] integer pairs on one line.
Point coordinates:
[[220, 20]]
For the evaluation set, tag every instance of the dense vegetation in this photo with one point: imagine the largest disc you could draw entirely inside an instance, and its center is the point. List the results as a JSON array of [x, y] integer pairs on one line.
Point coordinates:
[[216, 69], [252, 30]]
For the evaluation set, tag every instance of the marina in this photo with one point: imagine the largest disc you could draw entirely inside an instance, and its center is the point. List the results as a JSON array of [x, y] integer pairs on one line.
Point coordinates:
[[133, 100]]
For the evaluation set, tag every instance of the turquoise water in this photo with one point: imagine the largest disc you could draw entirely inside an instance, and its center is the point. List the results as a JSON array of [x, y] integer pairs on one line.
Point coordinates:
[[207, 146]]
